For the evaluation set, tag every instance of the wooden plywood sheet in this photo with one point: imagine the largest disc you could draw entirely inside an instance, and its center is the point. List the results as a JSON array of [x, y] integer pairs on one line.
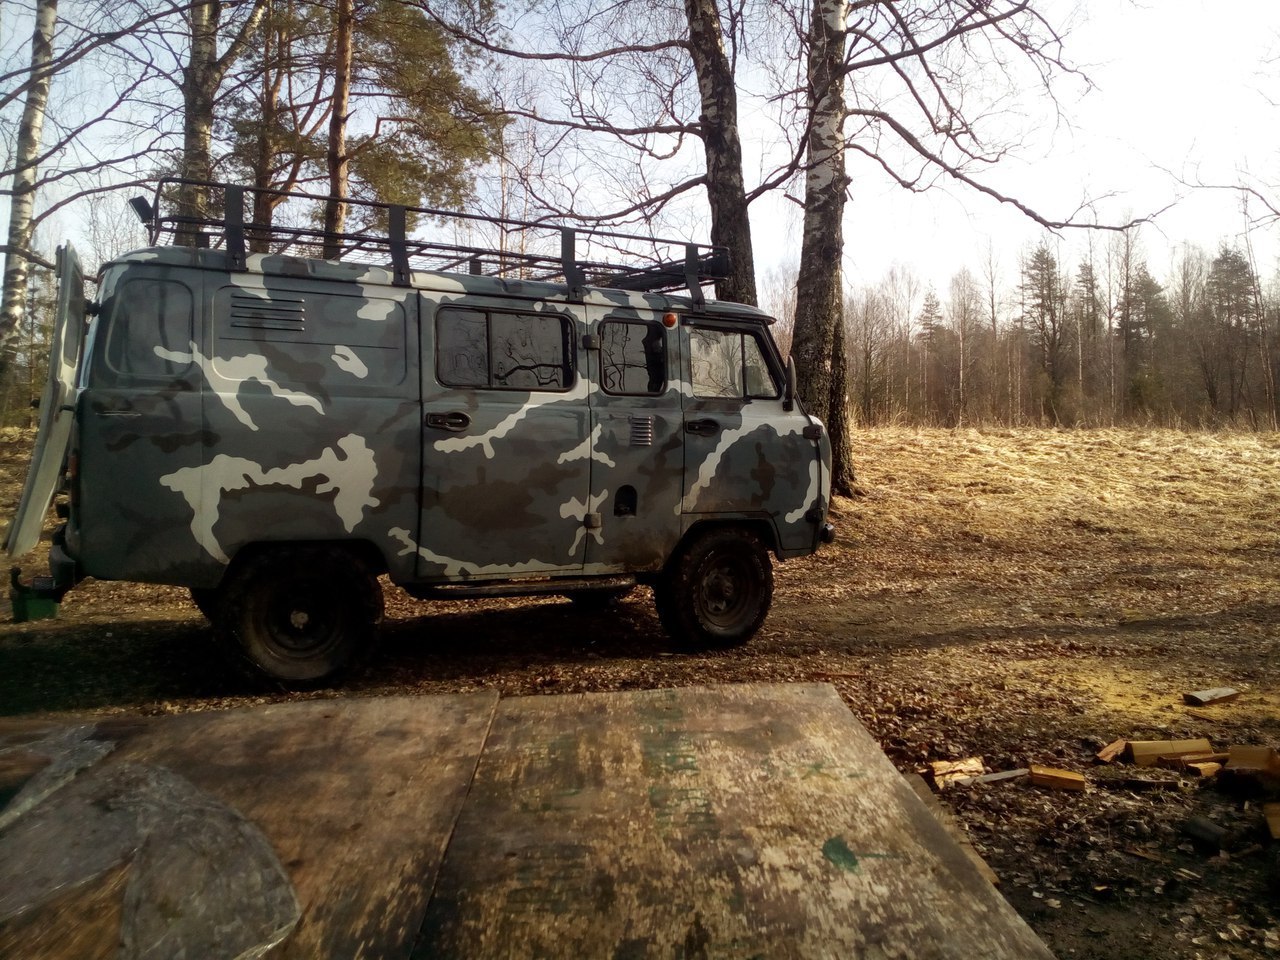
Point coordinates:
[[731, 821], [315, 827]]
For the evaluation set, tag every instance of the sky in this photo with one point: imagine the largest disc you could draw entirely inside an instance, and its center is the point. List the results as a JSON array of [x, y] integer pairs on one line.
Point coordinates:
[[1179, 95]]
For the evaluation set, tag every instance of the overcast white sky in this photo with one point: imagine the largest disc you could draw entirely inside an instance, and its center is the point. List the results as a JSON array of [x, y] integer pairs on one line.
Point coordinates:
[[1179, 86]]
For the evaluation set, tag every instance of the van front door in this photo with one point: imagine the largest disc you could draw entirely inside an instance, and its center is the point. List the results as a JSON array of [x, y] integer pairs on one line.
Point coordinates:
[[745, 455], [506, 446]]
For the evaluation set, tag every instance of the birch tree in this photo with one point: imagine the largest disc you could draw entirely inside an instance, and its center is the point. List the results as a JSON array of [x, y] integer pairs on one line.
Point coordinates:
[[218, 33], [18, 253], [821, 368]]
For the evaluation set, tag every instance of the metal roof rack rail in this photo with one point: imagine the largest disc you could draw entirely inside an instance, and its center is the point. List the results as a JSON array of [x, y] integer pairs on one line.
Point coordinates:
[[405, 238]]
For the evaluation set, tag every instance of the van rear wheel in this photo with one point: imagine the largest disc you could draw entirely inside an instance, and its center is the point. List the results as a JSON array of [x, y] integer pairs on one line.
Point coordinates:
[[717, 591], [299, 614]]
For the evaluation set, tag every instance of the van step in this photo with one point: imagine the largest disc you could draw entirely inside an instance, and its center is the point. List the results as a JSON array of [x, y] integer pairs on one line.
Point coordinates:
[[518, 588]]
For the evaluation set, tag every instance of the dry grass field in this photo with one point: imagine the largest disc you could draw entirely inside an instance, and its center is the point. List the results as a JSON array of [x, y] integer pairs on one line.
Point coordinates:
[[1023, 596]]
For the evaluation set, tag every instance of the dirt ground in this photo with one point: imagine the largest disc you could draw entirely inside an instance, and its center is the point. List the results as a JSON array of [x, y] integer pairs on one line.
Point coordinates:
[[1022, 596]]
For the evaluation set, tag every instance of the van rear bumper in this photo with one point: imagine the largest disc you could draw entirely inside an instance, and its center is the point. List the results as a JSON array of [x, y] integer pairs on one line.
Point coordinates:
[[63, 569]]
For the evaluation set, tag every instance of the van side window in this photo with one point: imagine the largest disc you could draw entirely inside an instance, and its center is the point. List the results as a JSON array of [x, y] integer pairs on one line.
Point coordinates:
[[150, 320], [729, 364], [503, 351], [632, 357], [462, 348]]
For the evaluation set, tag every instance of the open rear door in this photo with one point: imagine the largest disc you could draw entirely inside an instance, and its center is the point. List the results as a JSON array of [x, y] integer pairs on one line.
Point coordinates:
[[57, 408]]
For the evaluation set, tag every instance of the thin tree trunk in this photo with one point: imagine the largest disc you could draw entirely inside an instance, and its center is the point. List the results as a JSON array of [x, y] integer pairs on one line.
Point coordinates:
[[335, 210], [201, 79], [839, 428], [264, 205], [819, 302], [17, 265], [200, 82], [726, 187]]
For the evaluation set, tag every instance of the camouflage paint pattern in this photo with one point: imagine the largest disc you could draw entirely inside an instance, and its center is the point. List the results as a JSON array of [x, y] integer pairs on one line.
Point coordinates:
[[303, 400]]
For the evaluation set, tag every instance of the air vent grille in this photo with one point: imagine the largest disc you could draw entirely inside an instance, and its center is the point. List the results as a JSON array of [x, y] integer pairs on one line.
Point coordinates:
[[276, 313], [642, 431]]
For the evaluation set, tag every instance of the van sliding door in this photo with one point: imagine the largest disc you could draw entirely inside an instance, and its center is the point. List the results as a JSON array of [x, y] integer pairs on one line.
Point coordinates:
[[506, 445]]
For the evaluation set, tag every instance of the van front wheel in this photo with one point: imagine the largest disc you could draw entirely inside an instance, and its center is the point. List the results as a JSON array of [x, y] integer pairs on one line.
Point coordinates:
[[717, 591], [300, 614]]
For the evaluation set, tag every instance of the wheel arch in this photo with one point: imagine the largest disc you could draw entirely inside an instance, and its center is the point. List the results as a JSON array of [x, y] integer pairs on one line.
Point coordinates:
[[762, 527], [363, 550]]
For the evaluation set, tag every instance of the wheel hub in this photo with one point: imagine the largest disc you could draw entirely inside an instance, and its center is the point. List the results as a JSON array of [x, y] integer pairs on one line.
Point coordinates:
[[721, 591]]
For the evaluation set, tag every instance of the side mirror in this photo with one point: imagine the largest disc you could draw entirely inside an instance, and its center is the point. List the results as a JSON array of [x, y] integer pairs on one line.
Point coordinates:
[[789, 393]]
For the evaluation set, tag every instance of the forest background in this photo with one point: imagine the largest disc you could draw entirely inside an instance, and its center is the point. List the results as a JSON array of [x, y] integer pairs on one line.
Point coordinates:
[[704, 119]]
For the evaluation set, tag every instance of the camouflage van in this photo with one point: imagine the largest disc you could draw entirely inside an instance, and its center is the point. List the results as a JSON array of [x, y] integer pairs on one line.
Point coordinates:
[[274, 430]]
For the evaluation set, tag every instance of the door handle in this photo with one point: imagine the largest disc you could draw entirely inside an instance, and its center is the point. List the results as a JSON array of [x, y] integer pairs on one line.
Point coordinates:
[[703, 428], [455, 421]]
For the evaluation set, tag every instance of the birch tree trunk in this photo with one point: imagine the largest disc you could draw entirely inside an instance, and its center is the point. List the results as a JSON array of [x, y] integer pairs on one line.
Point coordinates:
[[17, 262], [335, 209], [726, 189], [200, 82], [821, 376]]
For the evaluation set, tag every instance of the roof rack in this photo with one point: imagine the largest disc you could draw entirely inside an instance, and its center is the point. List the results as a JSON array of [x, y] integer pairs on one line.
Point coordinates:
[[406, 238]]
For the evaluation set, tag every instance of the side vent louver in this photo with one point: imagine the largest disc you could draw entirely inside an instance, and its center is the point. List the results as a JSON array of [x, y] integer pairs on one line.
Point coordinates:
[[642, 431], [276, 313]]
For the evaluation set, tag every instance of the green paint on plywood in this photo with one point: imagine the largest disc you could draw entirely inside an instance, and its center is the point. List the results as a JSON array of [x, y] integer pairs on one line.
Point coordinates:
[[838, 852]]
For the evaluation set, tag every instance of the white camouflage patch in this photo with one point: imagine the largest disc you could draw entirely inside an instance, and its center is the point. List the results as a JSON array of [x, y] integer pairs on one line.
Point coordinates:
[[351, 475]]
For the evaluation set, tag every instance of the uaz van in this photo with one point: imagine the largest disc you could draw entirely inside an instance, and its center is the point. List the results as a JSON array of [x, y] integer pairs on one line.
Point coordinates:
[[274, 431]]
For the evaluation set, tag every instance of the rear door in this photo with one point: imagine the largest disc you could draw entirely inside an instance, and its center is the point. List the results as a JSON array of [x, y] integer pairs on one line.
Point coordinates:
[[57, 405], [506, 445]]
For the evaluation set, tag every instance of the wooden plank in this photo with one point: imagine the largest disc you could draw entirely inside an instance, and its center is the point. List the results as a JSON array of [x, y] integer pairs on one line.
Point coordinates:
[[1206, 768], [83, 922], [1001, 775], [1200, 698], [945, 773], [951, 825], [1249, 758], [356, 799], [1145, 753], [753, 820], [1272, 812], [1112, 750], [1056, 779]]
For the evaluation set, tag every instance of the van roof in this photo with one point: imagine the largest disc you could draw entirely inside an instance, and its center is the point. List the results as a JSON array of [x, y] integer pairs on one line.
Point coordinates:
[[404, 240], [438, 281]]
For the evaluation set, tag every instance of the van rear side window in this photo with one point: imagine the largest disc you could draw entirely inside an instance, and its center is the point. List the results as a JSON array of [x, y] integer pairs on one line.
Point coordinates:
[[632, 357], [149, 324], [503, 351]]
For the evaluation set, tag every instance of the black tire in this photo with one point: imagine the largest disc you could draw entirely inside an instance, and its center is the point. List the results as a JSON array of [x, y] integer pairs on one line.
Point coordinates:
[[299, 614], [716, 592], [206, 601], [596, 601]]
